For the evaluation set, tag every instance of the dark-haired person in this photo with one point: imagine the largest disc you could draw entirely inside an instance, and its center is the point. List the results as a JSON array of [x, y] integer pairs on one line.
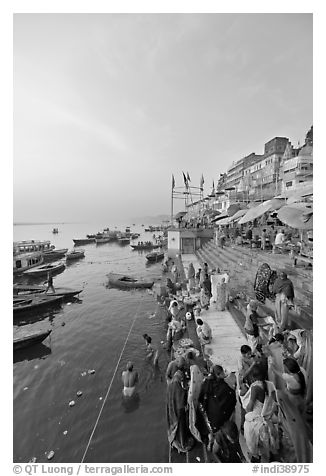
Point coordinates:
[[275, 351], [260, 432], [151, 352], [217, 400], [50, 283], [295, 382], [206, 292], [204, 332], [226, 447], [129, 380]]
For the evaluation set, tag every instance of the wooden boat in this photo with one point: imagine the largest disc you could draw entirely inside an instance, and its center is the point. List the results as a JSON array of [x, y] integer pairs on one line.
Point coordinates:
[[55, 230], [145, 246], [53, 255], [128, 282], [124, 240], [83, 241], [135, 235], [75, 254], [33, 301], [26, 290], [25, 339], [155, 256], [103, 238], [24, 261], [31, 246], [44, 269]]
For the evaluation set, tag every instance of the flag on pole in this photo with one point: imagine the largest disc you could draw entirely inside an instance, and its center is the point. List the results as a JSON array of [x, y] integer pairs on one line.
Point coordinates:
[[185, 180], [188, 177], [202, 182], [173, 182]]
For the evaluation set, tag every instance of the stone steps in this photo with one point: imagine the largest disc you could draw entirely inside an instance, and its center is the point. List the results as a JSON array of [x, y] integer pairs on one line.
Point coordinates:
[[302, 286], [243, 271]]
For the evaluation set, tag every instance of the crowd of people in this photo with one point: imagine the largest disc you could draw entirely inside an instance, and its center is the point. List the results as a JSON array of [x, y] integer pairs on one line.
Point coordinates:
[[273, 384]]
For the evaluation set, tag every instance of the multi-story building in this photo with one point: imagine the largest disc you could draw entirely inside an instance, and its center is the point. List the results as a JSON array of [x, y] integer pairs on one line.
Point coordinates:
[[297, 171]]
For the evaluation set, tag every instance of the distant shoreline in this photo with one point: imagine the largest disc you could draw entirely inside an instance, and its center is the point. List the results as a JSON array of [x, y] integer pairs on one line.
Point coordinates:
[[43, 223]]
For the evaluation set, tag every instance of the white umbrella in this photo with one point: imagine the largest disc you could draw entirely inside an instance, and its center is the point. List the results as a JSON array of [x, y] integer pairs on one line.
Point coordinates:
[[258, 211], [297, 215]]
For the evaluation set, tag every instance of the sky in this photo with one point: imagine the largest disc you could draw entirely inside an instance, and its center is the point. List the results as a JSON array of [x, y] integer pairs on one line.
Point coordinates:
[[108, 106]]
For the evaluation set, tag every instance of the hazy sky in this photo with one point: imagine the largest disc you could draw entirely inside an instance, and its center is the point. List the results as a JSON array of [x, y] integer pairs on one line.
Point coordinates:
[[108, 106]]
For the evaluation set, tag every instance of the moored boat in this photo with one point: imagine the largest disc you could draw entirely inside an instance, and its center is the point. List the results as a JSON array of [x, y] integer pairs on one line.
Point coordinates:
[[33, 301], [55, 230], [53, 255], [129, 282], [26, 290], [155, 256], [24, 261], [25, 339], [44, 269], [145, 246], [124, 240], [75, 254], [83, 241]]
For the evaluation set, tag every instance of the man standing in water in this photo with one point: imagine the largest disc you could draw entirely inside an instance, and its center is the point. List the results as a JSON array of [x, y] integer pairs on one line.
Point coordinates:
[[129, 380]]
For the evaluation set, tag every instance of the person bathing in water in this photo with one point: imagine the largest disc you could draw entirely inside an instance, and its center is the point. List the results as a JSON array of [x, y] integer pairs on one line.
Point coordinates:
[[129, 380], [151, 351]]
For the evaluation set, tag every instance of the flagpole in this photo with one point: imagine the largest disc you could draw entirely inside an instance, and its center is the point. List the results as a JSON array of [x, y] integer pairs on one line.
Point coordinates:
[[172, 200]]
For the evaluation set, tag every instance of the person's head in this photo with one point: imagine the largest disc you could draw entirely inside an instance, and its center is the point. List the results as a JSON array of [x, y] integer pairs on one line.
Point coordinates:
[[283, 275], [206, 276], [279, 338], [223, 280], [291, 366], [218, 372], [129, 366], [264, 229], [253, 305], [147, 338], [292, 344], [174, 304], [191, 356], [199, 322], [245, 351], [206, 265], [257, 373], [282, 231]]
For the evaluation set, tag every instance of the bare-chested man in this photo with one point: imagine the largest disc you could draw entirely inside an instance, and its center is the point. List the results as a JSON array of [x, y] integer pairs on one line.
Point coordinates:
[[129, 380]]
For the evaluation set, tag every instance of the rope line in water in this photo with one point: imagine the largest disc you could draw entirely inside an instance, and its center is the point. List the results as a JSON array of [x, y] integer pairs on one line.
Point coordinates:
[[110, 384]]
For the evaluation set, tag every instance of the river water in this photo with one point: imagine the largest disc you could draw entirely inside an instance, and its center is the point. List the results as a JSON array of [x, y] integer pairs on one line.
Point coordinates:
[[89, 333]]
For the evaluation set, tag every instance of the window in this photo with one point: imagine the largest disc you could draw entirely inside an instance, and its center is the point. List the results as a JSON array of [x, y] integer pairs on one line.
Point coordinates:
[[18, 264], [288, 184]]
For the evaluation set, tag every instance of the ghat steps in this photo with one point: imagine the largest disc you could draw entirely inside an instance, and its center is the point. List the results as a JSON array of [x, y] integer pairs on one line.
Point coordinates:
[[242, 263]]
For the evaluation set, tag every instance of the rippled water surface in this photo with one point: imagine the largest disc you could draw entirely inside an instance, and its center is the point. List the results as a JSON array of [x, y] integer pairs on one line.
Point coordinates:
[[89, 333]]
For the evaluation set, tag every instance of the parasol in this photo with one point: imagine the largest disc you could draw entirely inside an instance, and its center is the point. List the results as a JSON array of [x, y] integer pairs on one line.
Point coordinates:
[[258, 211], [297, 215]]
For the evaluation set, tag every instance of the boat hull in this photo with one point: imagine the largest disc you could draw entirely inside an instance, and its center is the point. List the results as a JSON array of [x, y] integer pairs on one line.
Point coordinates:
[[43, 270], [75, 255], [127, 282], [27, 290], [32, 302], [21, 341], [83, 241], [154, 257], [145, 247]]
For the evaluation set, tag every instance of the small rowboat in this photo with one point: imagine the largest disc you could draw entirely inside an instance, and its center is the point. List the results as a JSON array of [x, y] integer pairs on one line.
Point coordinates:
[[75, 254], [155, 256], [124, 241], [24, 339], [44, 269], [128, 282], [31, 302]]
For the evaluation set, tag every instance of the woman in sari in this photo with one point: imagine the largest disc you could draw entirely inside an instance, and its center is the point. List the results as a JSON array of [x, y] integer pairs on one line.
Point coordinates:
[[261, 285], [221, 295], [295, 382], [260, 431], [206, 292], [191, 277], [178, 432], [283, 289]]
